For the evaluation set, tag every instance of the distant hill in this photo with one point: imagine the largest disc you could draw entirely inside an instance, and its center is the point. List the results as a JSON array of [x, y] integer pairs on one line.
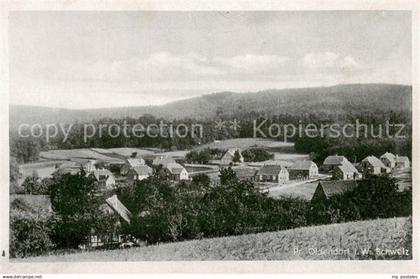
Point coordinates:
[[340, 99]]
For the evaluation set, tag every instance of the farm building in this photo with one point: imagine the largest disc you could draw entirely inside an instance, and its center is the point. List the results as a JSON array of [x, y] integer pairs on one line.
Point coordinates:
[[372, 165], [112, 205], [229, 157], [163, 161], [245, 173], [326, 189], [402, 162], [272, 173], [139, 173], [303, 169], [332, 161], [104, 177], [131, 163], [388, 159], [177, 172], [345, 171]]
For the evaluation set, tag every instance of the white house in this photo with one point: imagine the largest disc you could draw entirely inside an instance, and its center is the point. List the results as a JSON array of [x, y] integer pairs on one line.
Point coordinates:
[[140, 172], [372, 165], [402, 162], [303, 169], [104, 177], [177, 172], [131, 163], [272, 173], [345, 171], [229, 156], [388, 159]]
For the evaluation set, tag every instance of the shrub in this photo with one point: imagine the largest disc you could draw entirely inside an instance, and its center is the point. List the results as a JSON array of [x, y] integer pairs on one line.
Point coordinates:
[[29, 236]]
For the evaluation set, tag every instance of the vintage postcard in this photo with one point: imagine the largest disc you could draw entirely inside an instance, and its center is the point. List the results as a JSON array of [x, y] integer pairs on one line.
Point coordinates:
[[144, 136]]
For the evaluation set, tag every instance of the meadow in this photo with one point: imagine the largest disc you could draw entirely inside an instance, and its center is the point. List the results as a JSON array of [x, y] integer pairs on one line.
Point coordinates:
[[309, 243]]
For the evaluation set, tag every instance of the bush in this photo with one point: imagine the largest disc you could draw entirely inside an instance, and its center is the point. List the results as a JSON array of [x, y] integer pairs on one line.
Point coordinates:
[[256, 155], [29, 236]]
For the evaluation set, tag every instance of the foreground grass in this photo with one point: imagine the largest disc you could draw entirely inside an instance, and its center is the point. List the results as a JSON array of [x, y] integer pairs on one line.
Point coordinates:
[[390, 234]]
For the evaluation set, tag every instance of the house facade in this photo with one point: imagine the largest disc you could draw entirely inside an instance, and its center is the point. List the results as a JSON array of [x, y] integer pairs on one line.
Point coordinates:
[[131, 163], [139, 173], [388, 159], [402, 162], [104, 178], [272, 173], [346, 171], [177, 172], [372, 165], [303, 170], [333, 161]]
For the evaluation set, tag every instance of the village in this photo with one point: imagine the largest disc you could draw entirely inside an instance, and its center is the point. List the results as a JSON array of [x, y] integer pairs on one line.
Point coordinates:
[[299, 176]]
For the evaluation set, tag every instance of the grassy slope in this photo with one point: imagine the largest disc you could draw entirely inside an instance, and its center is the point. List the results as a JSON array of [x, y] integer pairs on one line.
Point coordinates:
[[385, 233]]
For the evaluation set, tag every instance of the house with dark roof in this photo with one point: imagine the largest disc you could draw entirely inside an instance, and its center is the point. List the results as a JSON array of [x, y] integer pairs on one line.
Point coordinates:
[[372, 165], [272, 173], [388, 159], [333, 161], [229, 156], [104, 178], [402, 162], [138, 173], [303, 170], [131, 163], [326, 189], [346, 171], [177, 172], [245, 173], [111, 206]]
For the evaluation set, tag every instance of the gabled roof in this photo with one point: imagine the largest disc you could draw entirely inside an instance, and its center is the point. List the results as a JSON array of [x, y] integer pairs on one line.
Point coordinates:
[[270, 170], [135, 162], [101, 173], [302, 165], [347, 167], [374, 162], [231, 151], [335, 187], [175, 168], [334, 160], [143, 170], [402, 159], [389, 156], [245, 172], [119, 208]]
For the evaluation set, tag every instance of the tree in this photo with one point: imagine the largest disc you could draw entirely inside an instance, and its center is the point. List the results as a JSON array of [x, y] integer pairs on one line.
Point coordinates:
[[236, 157], [227, 175], [14, 176], [75, 201]]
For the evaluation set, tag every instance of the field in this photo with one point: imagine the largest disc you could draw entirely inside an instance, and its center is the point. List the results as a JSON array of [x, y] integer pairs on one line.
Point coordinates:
[[43, 169], [345, 241], [304, 190], [244, 143]]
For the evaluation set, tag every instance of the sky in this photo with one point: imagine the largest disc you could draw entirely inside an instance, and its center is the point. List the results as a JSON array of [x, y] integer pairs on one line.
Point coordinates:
[[82, 60]]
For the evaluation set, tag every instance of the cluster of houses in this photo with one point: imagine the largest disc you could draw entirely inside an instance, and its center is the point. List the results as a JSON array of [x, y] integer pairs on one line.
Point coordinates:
[[345, 174], [133, 169]]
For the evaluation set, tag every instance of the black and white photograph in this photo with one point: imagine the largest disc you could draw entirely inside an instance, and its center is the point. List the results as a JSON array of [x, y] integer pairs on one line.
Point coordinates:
[[210, 135]]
